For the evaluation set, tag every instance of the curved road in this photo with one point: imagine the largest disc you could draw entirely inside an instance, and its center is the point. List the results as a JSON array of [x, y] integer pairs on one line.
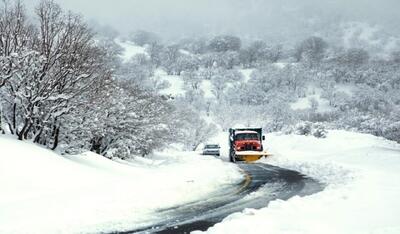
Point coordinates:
[[263, 183]]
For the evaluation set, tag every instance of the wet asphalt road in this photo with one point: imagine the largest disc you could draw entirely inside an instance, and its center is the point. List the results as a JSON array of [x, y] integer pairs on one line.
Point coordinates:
[[263, 184]]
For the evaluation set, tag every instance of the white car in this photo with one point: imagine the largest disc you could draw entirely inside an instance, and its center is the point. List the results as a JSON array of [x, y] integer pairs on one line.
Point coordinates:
[[211, 149]]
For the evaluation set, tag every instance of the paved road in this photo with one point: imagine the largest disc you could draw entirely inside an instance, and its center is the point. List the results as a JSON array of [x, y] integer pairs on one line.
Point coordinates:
[[263, 184]]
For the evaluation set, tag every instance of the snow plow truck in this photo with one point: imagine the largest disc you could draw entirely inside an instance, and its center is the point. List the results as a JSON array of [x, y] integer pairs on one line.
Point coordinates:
[[245, 144]]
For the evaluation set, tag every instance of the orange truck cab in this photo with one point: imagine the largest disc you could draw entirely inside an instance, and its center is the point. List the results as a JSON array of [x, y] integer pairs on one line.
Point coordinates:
[[246, 144]]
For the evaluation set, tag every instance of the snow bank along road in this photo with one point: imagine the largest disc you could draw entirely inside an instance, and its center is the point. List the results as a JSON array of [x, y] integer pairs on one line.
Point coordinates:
[[42, 192], [263, 183]]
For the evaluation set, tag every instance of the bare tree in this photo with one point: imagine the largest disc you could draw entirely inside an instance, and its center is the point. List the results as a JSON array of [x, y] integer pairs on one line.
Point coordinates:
[[51, 70], [15, 35]]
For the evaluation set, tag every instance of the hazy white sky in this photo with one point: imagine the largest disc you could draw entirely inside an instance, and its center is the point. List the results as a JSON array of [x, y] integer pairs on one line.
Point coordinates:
[[253, 18]]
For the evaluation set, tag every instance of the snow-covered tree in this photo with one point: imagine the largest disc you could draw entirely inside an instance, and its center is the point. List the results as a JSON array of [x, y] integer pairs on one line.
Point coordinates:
[[122, 121], [221, 79], [225, 43], [353, 58], [186, 63], [155, 50], [15, 37], [51, 69], [169, 57], [141, 37], [194, 45], [193, 130], [139, 68], [311, 50]]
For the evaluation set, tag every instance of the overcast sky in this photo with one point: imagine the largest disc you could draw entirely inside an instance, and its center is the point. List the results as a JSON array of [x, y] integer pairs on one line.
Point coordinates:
[[251, 18]]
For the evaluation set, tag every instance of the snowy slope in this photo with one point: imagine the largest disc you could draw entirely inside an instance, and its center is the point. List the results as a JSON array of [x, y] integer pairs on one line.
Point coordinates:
[[42, 192], [176, 84], [246, 74], [306, 103], [130, 50], [207, 87], [362, 174], [313, 94]]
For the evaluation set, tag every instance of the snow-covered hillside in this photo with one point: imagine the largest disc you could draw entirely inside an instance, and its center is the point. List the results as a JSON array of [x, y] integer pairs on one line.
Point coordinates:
[[362, 174], [312, 100], [130, 49], [42, 192], [175, 83]]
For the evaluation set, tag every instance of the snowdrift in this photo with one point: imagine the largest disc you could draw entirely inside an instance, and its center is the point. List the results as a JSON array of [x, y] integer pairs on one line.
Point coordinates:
[[362, 174], [43, 192]]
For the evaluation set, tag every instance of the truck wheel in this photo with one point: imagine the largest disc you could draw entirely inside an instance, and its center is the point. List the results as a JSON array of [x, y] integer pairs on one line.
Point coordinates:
[[232, 157]]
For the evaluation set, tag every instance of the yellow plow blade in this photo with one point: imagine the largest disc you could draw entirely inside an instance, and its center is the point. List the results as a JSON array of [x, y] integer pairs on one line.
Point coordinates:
[[250, 156]]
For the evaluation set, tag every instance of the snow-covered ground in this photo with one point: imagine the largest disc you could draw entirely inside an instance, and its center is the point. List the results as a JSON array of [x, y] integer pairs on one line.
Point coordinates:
[[362, 177], [207, 88], [176, 83], [314, 94], [246, 74], [42, 192], [130, 50]]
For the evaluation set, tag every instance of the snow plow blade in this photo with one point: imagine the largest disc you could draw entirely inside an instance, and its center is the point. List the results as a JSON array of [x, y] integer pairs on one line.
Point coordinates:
[[250, 156]]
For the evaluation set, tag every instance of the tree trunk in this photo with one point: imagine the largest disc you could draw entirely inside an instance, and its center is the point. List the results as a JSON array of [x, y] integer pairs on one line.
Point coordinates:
[[195, 145], [56, 138], [14, 119], [38, 135], [22, 133], [1, 120], [96, 145], [27, 131]]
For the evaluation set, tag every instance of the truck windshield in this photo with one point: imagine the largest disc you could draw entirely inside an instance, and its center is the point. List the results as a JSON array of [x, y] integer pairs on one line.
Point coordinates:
[[247, 136]]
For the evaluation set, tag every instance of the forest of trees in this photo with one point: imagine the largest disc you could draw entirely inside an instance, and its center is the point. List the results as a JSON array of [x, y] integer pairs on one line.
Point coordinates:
[[63, 85], [360, 89]]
